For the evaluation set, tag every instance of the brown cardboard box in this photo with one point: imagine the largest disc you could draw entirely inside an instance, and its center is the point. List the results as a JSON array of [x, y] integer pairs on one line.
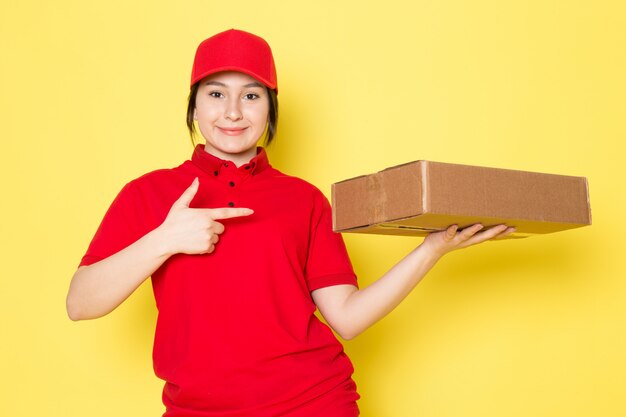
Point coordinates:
[[420, 197]]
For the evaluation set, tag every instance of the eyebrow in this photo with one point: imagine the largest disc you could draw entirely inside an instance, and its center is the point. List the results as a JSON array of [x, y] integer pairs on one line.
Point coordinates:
[[253, 84]]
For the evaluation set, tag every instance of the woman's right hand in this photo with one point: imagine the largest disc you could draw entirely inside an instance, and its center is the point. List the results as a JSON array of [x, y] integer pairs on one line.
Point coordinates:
[[195, 230]]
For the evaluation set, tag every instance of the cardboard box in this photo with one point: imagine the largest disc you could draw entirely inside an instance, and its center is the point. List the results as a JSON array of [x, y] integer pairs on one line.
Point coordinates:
[[420, 197]]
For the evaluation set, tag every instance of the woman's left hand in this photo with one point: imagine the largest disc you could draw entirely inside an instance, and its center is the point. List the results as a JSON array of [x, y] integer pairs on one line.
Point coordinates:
[[440, 243]]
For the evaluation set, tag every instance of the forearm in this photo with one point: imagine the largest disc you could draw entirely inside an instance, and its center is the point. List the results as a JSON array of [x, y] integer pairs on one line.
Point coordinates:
[[97, 289], [366, 306], [352, 311]]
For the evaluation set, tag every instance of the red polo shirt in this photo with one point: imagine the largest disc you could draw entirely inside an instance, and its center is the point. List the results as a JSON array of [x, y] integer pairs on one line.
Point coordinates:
[[236, 334]]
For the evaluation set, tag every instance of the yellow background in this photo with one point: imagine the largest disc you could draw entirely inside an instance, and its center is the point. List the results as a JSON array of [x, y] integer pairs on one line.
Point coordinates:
[[93, 94]]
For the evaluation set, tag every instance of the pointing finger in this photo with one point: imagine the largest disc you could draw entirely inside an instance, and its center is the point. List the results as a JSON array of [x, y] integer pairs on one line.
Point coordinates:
[[229, 212]]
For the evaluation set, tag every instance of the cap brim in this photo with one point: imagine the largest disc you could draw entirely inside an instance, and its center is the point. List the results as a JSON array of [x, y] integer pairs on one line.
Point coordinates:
[[238, 69]]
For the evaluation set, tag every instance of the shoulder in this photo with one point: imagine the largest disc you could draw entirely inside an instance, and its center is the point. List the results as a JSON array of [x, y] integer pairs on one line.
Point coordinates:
[[154, 192], [160, 179], [297, 185]]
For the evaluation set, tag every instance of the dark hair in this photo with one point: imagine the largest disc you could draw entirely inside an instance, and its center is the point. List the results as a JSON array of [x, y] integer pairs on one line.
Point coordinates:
[[272, 116]]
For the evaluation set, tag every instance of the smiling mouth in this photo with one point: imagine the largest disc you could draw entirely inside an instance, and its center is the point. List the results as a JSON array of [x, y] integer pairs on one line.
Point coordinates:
[[231, 131]]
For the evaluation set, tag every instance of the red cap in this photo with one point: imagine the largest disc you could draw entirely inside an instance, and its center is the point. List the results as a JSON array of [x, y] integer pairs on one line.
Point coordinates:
[[235, 50]]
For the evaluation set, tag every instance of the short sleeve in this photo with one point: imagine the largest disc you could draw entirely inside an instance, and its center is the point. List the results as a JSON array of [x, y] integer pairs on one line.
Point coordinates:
[[327, 261], [118, 229]]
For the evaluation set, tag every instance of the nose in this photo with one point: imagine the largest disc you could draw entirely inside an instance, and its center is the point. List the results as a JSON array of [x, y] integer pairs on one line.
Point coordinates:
[[233, 112]]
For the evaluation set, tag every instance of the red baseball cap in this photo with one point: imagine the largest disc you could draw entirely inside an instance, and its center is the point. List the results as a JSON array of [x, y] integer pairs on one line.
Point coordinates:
[[235, 50]]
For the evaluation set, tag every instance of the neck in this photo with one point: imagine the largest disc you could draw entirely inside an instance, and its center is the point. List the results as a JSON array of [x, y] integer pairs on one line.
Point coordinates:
[[238, 159]]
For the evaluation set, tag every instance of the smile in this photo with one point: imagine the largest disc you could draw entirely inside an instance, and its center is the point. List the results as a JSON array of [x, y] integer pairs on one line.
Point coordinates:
[[232, 132]]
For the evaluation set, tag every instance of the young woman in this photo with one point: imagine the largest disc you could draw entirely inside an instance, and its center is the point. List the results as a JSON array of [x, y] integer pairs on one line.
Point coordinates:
[[240, 256]]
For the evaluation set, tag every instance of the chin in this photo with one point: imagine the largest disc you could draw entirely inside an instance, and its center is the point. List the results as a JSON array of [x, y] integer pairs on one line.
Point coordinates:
[[236, 149]]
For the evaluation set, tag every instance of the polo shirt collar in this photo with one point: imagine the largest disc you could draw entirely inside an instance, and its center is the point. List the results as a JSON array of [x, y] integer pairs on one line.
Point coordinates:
[[212, 164]]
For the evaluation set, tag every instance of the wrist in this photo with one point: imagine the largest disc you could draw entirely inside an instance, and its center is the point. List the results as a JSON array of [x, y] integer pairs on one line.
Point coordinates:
[[161, 245], [430, 254]]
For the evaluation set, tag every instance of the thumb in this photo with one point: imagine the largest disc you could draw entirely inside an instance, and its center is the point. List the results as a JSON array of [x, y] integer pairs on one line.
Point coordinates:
[[451, 232], [186, 197]]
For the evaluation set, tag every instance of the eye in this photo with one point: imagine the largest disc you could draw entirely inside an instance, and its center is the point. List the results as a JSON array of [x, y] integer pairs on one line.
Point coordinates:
[[215, 94], [251, 96]]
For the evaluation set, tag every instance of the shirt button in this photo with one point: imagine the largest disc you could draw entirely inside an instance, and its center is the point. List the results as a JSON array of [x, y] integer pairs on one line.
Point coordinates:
[[226, 165], [215, 173], [231, 204], [232, 184], [247, 166]]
